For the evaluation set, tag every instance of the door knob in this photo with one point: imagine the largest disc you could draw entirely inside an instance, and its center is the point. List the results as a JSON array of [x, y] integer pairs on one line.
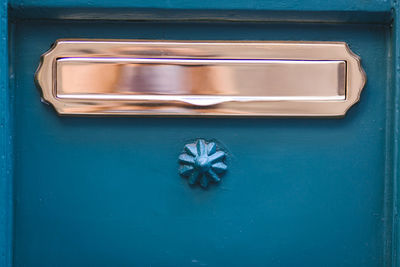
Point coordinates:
[[202, 162]]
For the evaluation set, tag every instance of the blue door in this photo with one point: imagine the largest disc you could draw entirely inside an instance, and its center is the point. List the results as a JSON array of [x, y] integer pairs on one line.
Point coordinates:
[[106, 191]]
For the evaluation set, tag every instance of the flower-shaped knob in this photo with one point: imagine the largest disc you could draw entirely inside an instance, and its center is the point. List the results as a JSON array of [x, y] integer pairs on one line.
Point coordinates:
[[202, 162]]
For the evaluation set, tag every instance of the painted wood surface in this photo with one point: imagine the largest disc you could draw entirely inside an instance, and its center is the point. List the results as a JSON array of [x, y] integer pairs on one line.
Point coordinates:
[[298, 192], [6, 144]]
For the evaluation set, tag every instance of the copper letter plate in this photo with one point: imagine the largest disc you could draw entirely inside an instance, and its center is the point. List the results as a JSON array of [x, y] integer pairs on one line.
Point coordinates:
[[200, 78]]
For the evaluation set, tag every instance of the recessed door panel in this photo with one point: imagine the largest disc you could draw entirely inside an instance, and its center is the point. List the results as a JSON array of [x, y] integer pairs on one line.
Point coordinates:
[[106, 191]]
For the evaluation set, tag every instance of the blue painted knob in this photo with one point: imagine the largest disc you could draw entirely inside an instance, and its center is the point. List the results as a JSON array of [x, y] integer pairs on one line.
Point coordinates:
[[202, 163]]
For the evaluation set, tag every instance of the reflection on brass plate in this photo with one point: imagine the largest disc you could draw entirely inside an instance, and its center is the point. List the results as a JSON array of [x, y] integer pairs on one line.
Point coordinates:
[[200, 78]]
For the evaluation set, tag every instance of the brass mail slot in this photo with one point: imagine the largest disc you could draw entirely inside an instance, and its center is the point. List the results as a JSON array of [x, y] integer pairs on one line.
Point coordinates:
[[121, 77]]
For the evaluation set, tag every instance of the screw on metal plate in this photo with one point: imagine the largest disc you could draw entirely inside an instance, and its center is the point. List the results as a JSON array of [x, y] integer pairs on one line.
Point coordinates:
[[202, 163]]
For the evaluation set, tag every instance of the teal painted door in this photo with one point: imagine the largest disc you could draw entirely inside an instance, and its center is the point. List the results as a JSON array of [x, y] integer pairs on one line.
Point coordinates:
[[105, 191]]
